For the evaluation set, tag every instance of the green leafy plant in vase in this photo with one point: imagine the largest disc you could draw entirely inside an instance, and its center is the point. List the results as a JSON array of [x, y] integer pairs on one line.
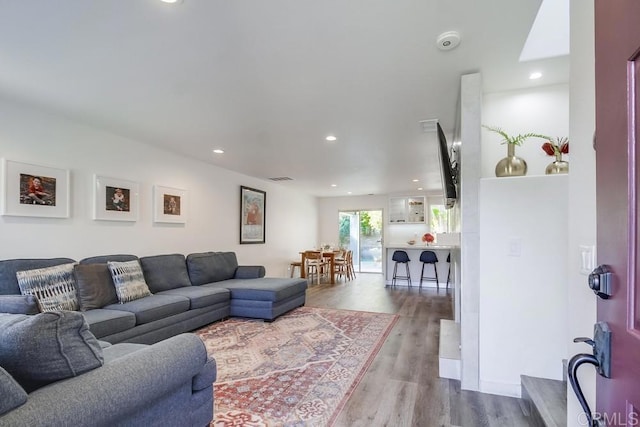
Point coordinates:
[[512, 165]]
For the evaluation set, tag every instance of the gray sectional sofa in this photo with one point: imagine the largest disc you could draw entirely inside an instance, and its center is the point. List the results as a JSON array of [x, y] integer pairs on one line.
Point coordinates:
[[186, 293], [148, 370]]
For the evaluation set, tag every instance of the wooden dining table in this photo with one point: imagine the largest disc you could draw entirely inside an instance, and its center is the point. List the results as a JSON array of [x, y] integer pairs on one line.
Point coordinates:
[[325, 254]]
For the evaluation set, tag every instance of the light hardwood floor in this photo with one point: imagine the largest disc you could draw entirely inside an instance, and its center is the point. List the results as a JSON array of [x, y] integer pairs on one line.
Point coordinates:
[[402, 386]]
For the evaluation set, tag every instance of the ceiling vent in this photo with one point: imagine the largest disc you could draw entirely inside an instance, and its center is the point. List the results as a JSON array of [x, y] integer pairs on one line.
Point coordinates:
[[281, 178]]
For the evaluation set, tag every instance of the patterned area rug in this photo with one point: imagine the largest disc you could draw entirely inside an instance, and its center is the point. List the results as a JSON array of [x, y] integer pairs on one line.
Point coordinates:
[[296, 371]]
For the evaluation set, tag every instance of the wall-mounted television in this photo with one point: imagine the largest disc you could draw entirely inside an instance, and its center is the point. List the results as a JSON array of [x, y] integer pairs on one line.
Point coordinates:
[[450, 193]]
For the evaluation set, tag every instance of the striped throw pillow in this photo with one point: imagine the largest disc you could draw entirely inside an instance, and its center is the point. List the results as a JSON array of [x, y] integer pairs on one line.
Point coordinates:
[[128, 280], [54, 287]]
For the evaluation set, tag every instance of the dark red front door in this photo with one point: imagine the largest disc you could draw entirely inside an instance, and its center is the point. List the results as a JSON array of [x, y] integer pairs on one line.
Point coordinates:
[[617, 35]]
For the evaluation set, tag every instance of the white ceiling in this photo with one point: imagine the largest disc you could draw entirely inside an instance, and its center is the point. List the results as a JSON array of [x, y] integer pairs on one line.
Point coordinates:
[[268, 80]]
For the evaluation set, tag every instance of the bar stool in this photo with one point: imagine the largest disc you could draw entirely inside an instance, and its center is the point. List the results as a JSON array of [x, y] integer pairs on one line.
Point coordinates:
[[402, 258], [429, 257], [449, 273]]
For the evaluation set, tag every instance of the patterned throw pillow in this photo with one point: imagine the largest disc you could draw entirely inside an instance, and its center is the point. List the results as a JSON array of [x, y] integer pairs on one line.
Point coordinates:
[[129, 280], [54, 287]]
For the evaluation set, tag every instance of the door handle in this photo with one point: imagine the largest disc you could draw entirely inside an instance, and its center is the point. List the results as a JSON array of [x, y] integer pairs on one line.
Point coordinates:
[[601, 359]]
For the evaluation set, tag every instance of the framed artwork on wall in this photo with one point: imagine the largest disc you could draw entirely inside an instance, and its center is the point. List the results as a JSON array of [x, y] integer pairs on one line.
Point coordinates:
[[253, 205], [34, 190], [169, 205], [115, 199]]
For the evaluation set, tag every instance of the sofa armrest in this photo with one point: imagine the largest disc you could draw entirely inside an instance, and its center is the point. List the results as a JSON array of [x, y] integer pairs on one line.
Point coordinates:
[[249, 272], [19, 304], [118, 390]]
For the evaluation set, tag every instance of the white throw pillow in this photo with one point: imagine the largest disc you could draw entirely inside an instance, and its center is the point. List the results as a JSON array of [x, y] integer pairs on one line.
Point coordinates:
[[54, 287], [128, 280]]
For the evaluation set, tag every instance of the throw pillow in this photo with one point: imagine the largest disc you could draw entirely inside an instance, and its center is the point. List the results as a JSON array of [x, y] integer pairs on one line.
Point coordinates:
[[95, 286], [12, 394], [55, 287], [129, 280], [38, 350]]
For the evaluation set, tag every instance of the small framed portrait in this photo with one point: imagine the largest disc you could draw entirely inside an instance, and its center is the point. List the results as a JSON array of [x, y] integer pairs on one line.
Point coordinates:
[[115, 199], [34, 190], [253, 205], [169, 205]]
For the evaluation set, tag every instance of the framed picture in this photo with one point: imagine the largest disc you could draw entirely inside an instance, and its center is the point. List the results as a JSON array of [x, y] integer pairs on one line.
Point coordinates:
[[34, 190], [169, 205], [253, 205], [115, 199]]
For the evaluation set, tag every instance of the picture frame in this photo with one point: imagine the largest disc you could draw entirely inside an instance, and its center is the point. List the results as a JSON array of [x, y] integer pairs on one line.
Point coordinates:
[[115, 199], [170, 205], [34, 190], [253, 208]]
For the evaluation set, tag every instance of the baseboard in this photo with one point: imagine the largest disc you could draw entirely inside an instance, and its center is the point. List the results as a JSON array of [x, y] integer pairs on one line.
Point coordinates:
[[502, 389]]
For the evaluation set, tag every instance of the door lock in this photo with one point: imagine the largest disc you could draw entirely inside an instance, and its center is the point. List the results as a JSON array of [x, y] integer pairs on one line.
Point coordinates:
[[601, 281]]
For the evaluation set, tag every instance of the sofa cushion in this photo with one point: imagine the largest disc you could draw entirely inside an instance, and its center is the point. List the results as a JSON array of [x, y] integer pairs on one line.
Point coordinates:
[[9, 267], [265, 289], [54, 287], [164, 272], [153, 307], [200, 296], [12, 394], [94, 286], [37, 350], [19, 304], [104, 322], [129, 280], [211, 267]]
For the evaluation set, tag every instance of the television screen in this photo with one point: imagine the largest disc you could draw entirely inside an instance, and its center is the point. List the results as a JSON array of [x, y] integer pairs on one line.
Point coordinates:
[[448, 183]]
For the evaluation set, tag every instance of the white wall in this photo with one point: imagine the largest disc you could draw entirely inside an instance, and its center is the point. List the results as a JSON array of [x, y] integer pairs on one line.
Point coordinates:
[[582, 195], [543, 110], [523, 299], [30, 135]]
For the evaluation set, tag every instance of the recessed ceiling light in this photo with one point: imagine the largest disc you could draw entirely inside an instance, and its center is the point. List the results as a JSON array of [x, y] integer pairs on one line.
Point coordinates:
[[415, 180], [419, 188], [171, 1], [535, 76], [331, 138], [218, 151], [348, 192], [334, 185]]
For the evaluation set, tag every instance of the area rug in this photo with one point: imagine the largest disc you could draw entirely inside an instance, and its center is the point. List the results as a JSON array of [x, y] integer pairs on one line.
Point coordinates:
[[296, 371]]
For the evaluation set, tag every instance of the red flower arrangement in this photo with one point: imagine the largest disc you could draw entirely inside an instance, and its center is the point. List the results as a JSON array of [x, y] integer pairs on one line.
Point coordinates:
[[428, 238], [558, 146]]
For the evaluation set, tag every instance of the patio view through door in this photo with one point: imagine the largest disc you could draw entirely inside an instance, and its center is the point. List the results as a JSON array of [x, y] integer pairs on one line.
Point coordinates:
[[361, 232]]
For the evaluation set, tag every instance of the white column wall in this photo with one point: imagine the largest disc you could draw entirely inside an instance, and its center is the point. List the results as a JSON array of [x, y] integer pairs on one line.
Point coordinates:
[[30, 135], [523, 270]]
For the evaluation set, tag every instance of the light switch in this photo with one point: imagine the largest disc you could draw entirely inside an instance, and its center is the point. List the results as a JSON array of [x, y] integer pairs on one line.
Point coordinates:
[[587, 259], [515, 247]]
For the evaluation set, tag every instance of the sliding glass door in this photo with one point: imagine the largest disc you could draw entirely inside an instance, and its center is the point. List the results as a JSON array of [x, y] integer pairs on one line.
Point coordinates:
[[361, 232]]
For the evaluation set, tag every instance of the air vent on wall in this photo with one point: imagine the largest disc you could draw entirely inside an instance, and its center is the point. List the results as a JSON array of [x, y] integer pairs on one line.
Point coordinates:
[[281, 178], [429, 125]]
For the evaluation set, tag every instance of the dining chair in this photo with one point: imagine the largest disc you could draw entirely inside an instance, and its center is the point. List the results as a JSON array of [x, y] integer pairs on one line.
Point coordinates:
[[316, 265]]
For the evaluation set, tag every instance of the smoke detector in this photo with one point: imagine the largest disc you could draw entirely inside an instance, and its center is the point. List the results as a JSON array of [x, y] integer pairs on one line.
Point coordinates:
[[448, 40]]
